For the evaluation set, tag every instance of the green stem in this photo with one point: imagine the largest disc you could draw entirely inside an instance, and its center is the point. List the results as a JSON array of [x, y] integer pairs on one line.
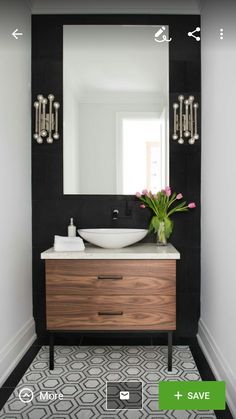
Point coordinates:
[[172, 200], [177, 210], [149, 203]]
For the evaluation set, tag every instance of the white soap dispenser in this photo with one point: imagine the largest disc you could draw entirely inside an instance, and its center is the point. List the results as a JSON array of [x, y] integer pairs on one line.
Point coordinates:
[[71, 229]]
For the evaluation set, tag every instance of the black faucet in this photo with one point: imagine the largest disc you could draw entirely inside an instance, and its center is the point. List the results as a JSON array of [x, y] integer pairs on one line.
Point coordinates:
[[128, 211]]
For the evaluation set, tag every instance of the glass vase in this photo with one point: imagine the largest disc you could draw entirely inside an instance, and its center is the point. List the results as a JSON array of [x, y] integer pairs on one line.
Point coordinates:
[[161, 234]]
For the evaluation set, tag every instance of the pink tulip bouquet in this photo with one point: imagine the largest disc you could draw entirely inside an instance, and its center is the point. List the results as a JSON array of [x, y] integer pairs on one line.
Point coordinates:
[[163, 205]]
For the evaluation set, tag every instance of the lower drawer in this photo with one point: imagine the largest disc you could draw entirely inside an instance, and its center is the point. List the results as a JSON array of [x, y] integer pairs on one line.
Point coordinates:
[[125, 312]]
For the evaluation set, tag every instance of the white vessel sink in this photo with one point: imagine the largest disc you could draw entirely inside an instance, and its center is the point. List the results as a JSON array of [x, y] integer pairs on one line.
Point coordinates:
[[112, 238]]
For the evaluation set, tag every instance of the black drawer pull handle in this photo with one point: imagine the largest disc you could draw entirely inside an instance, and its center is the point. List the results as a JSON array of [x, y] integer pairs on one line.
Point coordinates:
[[110, 313], [113, 277]]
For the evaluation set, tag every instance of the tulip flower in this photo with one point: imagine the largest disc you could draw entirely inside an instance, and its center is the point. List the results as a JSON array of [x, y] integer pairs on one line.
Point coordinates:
[[192, 205], [138, 194], [168, 191], [145, 192], [179, 196], [142, 206]]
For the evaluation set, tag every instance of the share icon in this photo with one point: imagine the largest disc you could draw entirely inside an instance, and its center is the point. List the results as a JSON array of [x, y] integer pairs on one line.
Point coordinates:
[[194, 36]]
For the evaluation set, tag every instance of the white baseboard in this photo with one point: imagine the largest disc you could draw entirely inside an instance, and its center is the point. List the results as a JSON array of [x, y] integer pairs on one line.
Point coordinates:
[[218, 364], [14, 350]]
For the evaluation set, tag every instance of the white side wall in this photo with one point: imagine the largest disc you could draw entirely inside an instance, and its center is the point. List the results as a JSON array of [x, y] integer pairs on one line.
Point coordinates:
[[218, 293], [16, 321]]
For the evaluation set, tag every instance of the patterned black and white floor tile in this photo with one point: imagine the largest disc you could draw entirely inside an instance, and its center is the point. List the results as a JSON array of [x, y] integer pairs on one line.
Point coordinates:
[[80, 376]]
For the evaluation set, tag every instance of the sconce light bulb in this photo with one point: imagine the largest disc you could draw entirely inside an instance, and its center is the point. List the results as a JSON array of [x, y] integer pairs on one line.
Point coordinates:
[[191, 141], [35, 136], [175, 136], [175, 105], [181, 141], [39, 140], [56, 136], [196, 136], [56, 105], [36, 105], [44, 133], [186, 133], [49, 140], [191, 98], [44, 101], [181, 97], [195, 105], [186, 102], [51, 97], [40, 98]]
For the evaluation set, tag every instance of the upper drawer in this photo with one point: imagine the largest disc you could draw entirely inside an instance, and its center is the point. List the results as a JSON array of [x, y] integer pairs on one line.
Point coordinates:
[[110, 277]]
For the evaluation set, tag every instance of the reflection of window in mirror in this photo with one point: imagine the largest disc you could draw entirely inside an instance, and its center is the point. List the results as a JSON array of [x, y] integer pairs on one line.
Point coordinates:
[[140, 154], [153, 166]]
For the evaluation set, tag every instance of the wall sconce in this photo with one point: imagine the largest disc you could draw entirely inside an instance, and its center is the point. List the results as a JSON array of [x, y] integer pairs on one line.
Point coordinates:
[[46, 124], [185, 121]]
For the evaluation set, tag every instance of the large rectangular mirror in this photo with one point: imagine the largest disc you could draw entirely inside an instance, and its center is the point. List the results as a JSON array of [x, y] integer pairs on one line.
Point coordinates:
[[115, 90]]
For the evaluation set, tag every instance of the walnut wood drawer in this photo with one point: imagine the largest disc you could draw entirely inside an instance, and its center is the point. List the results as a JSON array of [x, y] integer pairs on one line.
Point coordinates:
[[153, 312], [109, 277]]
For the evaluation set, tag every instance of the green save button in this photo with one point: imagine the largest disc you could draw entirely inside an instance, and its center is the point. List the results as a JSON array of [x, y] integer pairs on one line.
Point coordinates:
[[193, 395]]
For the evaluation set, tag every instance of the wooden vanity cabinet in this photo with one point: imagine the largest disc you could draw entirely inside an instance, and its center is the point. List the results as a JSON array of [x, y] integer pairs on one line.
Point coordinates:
[[113, 295]]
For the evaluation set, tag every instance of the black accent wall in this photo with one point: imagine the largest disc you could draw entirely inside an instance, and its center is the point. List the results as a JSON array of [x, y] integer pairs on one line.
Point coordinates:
[[51, 209]]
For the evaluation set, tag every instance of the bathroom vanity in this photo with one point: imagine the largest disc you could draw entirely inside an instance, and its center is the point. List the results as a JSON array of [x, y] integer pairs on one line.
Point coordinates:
[[129, 289]]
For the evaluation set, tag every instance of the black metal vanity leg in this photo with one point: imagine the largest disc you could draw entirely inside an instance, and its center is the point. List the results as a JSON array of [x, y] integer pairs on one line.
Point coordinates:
[[51, 351], [170, 351]]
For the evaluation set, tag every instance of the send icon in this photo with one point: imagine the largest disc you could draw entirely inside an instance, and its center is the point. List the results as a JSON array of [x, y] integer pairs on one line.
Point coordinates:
[[124, 395]]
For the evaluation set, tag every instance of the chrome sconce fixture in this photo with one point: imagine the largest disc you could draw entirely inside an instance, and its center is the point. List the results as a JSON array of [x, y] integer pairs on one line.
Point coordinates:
[[46, 124], [185, 120]]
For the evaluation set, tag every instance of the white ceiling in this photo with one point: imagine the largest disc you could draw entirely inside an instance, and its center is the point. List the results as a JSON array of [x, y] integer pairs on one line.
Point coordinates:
[[116, 6]]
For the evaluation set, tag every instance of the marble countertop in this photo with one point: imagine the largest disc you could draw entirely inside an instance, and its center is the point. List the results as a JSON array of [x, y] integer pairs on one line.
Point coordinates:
[[137, 251]]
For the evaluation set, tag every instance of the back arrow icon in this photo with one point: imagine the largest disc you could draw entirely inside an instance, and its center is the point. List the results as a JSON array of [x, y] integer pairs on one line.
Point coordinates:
[[16, 33]]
